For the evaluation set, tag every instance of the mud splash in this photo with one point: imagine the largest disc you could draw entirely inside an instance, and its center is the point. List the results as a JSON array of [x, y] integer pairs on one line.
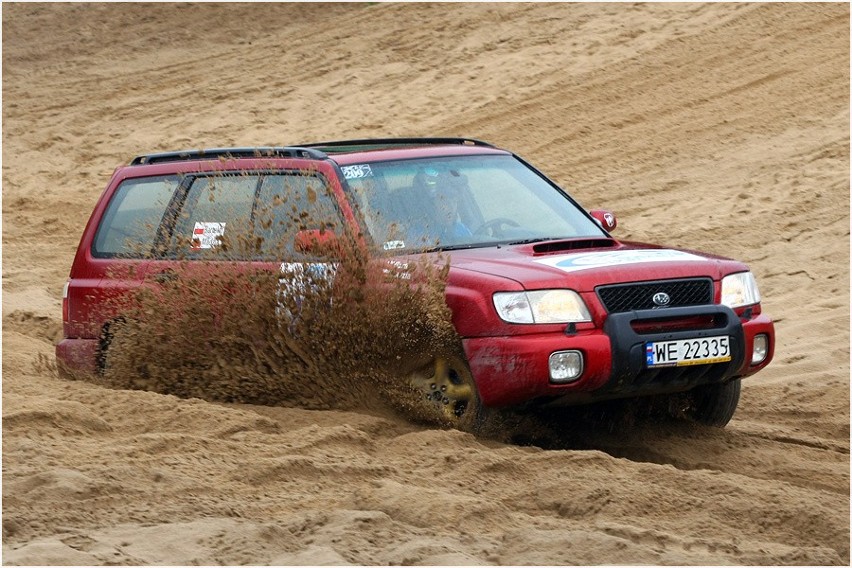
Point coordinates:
[[336, 333]]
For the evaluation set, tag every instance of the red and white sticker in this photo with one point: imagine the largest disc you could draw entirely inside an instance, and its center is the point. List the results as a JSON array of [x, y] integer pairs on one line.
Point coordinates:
[[206, 235]]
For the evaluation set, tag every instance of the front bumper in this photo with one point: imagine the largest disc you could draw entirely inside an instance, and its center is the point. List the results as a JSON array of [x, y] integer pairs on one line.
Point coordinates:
[[514, 369]]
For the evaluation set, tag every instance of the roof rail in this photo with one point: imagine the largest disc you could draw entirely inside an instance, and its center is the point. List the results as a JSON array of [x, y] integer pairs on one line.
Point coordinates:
[[226, 153], [376, 143]]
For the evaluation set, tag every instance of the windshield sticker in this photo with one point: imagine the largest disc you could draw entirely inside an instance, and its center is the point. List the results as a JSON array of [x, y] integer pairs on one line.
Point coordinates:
[[357, 172], [206, 235], [394, 245], [587, 261]]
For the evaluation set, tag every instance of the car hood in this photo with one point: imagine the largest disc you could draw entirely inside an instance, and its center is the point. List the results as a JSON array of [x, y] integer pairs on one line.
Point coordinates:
[[582, 268]]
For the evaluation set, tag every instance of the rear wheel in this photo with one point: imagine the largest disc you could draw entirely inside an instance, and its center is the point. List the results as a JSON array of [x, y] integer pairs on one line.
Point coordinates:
[[104, 342], [714, 405], [118, 361], [447, 386]]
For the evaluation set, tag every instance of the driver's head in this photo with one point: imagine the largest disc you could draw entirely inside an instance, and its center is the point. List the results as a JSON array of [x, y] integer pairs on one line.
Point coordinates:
[[433, 179], [444, 189]]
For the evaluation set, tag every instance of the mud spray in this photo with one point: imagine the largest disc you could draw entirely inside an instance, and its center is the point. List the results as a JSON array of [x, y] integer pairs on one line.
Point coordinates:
[[337, 330]]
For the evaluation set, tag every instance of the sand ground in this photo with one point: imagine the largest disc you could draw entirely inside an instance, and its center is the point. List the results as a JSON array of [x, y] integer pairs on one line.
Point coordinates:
[[721, 127]]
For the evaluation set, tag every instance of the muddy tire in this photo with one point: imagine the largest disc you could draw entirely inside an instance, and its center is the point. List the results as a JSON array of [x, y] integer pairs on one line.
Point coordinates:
[[104, 341], [113, 369], [448, 392], [714, 405]]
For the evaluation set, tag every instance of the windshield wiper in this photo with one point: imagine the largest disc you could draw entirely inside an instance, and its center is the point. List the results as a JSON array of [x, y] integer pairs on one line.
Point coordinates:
[[459, 247], [536, 240]]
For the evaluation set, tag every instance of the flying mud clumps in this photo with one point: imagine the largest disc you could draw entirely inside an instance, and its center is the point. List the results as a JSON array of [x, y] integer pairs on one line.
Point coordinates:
[[337, 331]]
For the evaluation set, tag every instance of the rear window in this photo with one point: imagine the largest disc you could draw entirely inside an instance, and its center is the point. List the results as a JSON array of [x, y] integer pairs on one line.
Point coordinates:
[[129, 226]]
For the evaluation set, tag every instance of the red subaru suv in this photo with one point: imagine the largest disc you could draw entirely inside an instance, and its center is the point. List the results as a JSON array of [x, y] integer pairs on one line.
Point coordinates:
[[551, 309]]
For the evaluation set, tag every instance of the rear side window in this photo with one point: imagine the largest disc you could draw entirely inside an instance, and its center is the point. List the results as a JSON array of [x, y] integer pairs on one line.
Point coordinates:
[[129, 226], [216, 215]]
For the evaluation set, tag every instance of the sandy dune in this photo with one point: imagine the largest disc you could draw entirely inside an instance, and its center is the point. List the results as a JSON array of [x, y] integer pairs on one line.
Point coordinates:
[[721, 127]]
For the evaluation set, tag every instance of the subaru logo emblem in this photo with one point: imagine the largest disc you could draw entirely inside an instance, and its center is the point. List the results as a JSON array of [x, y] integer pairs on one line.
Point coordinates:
[[661, 299]]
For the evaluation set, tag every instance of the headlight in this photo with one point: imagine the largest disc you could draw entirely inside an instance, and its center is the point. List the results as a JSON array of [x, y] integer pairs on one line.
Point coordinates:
[[740, 290], [541, 306]]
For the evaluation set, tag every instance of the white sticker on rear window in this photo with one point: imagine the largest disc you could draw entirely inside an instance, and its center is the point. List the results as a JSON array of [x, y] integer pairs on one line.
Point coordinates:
[[206, 235], [587, 261], [357, 172]]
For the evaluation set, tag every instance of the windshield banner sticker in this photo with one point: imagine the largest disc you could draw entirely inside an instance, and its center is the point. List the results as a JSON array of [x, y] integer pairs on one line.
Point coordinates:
[[206, 235], [356, 172], [586, 261]]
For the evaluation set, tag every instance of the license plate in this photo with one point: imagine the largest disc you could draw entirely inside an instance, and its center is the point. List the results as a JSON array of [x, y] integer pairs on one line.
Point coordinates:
[[688, 351]]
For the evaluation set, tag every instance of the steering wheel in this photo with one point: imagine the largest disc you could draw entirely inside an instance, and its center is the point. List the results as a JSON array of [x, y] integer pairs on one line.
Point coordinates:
[[493, 227]]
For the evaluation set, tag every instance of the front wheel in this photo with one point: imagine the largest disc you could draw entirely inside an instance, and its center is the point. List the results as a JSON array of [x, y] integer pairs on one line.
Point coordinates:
[[449, 391], [714, 405]]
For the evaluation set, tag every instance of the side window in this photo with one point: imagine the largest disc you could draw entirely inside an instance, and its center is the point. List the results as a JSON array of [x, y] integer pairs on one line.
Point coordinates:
[[289, 203], [216, 216], [129, 226]]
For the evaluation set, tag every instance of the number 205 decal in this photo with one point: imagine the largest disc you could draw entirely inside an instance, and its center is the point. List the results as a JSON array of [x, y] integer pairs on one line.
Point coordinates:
[[357, 172]]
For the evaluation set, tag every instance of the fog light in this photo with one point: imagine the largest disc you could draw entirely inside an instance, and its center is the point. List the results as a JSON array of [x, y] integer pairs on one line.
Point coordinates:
[[565, 366], [761, 348]]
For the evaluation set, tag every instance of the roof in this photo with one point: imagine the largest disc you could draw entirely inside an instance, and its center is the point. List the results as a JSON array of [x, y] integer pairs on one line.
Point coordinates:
[[367, 144], [348, 152], [357, 150]]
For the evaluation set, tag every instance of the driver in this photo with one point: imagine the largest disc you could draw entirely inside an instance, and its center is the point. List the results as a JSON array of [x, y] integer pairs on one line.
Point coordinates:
[[450, 226], [445, 190]]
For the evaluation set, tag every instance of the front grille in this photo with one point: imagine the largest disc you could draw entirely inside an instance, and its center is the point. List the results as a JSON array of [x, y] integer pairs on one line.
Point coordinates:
[[685, 323], [640, 295]]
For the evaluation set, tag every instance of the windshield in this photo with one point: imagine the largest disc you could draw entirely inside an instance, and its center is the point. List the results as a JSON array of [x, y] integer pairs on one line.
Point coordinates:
[[461, 202]]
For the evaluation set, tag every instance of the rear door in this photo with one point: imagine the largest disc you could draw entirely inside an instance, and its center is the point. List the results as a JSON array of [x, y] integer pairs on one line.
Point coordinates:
[[237, 221]]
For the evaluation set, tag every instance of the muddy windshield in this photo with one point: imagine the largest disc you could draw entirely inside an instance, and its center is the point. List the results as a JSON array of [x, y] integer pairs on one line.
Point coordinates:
[[461, 202]]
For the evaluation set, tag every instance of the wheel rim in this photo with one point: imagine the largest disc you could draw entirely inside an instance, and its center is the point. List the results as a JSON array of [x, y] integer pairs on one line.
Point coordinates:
[[447, 384]]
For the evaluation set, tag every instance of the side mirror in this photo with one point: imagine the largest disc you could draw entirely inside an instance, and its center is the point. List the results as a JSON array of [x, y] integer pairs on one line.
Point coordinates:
[[605, 219], [317, 241]]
